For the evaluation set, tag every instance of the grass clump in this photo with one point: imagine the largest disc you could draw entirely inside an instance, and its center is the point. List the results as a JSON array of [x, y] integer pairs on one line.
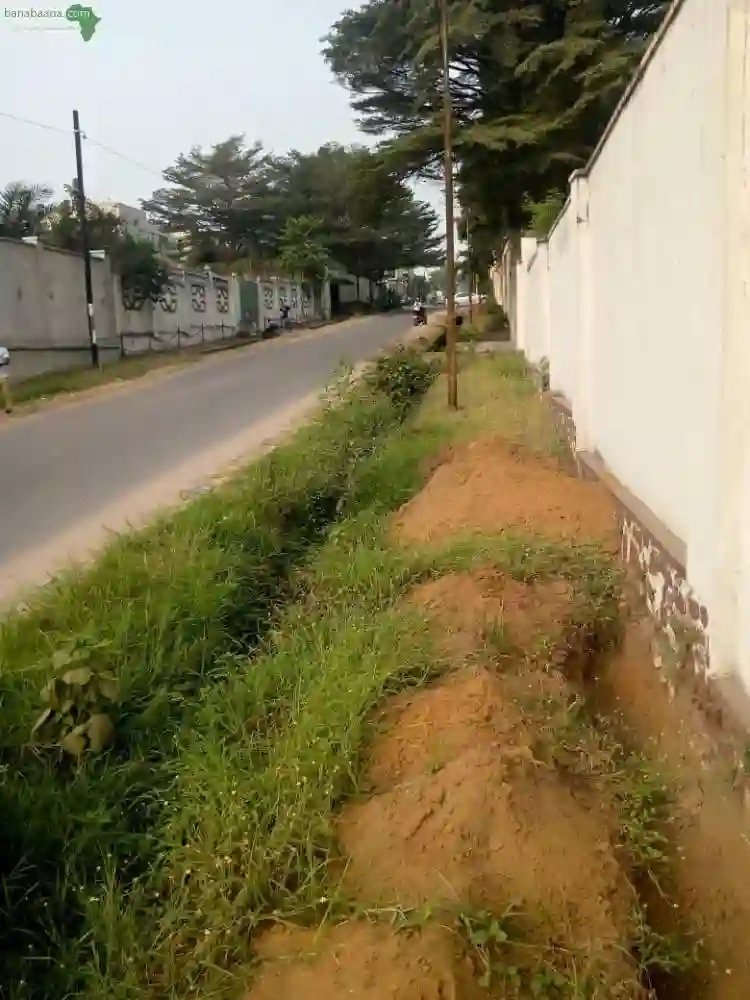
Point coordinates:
[[402, 376], [165, 613]]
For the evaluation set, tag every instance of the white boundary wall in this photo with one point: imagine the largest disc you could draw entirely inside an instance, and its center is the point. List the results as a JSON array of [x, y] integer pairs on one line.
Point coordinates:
[[640, 300]]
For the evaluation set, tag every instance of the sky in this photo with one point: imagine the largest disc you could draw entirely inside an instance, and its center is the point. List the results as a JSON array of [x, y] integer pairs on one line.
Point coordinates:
[[160, 77]]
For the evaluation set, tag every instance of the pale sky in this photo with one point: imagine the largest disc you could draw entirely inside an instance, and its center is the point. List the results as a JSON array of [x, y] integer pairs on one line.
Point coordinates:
[[160, 76]]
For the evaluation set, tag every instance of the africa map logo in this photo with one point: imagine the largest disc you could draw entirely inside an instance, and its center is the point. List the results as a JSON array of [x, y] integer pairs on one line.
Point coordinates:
[[43, 19], [85, 18]]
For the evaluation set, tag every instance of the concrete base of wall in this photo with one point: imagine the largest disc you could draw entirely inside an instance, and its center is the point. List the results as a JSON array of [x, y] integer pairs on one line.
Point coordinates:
[[26, 363], [656, 559]]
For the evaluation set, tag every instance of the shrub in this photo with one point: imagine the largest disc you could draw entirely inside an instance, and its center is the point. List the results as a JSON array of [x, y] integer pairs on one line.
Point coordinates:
[[402, 376]]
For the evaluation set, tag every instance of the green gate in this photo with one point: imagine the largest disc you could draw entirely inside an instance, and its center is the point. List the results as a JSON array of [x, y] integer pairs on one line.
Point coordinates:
[[249, 303]]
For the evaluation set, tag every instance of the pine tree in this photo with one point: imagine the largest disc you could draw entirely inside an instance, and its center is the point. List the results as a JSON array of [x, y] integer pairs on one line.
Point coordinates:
[[533, 83]]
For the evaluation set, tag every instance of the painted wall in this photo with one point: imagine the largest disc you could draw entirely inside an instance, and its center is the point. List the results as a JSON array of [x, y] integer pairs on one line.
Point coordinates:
[[561, 299], [199, 307], [642, 293], [43, 317], [274, 292]]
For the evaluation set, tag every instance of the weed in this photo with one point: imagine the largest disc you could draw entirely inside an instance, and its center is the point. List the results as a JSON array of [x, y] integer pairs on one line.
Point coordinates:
[[497, 638], [402, 376], [487, 933], [511, 964], [660, 957], [644, 803]]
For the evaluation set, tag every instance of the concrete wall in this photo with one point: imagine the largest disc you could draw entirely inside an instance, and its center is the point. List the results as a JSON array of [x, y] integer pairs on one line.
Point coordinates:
[[43, 319], [641, 293], [43, 307], [274, 292], [199, 307], [43, 316], [277, 290], [359, 290]]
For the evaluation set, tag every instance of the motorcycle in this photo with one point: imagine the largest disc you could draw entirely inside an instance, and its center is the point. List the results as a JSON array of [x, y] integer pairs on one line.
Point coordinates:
[[420, 317]]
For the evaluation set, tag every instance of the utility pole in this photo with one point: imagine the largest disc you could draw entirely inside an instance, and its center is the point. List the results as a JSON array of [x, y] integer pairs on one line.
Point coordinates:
[[470, 270], [85, 248], [450, 263]]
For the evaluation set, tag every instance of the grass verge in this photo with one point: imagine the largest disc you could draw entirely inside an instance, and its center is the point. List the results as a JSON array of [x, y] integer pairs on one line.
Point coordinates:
[[58, 383], [160, 616], [218, 820]]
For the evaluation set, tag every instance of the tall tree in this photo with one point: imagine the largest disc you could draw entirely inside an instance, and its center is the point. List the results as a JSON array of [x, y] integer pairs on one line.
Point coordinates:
[[303, 251], [221, 198], [369, 218], [533, 84]]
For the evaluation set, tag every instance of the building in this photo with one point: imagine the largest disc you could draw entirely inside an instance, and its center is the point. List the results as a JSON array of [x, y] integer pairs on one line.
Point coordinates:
[[137, 225]]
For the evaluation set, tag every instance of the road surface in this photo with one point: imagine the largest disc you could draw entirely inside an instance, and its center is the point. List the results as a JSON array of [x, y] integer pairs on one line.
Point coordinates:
[[73, 470]]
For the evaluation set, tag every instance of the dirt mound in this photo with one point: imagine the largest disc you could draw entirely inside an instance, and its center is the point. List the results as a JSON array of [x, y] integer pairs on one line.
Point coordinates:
[[525, 617], [488, 826], [363, 961], [425, 731], [492, 484], [709, 822]]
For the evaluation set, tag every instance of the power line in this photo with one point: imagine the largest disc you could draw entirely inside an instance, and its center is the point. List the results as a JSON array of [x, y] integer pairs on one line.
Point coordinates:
[[29, 121], [86, 138], [122, 156]]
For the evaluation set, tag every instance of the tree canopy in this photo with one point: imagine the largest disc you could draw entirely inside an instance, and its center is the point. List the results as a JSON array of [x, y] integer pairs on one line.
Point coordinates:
[[221, 198], [533, 84], [236, 202], [24, 209]]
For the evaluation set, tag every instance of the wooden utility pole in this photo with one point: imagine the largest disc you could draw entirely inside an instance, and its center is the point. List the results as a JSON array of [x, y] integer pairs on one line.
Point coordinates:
[[470, 269], [85, 248], [450, 247]]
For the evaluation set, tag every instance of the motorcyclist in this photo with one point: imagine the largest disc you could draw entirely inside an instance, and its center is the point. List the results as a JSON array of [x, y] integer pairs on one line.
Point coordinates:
[[419, 310]]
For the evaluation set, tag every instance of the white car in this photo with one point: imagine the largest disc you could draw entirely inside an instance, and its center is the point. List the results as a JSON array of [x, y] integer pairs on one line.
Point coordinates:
[[463, 300]]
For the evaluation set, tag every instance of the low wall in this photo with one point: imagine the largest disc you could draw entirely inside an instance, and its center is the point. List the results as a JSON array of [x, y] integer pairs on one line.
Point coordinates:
[[196, 308], [43, 313], [43, 301], [275, 292], [28, 362]]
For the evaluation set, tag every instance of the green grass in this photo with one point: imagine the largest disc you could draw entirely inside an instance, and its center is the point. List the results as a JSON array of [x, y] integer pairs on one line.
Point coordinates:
[[247, 835], [50, 384], [253, 634], [167, 611]]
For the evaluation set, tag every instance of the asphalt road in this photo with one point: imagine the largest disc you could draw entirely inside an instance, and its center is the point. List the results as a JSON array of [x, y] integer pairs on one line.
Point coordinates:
[[68, 462]]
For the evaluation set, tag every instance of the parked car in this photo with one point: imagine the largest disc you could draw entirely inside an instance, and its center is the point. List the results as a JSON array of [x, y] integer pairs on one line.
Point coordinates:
[[463, 300]]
